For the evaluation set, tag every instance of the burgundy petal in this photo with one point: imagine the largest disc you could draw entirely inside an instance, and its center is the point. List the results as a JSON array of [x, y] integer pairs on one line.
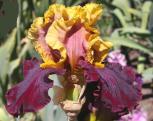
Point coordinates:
[[116, 88], [90, 73], [120, 91], [28, 65], [31, 94]]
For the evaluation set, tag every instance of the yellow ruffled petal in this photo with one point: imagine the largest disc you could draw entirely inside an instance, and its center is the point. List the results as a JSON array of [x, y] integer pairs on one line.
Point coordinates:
[[93, 12], [36, 25], [101, 50], [37, 35], [76, 12], [101, 45], [56, 24], [55, 11], [91, 29], [56, 35], [98, 50]]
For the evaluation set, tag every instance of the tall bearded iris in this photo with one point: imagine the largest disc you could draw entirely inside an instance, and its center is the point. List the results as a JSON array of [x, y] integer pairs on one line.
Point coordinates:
[[70, 46]]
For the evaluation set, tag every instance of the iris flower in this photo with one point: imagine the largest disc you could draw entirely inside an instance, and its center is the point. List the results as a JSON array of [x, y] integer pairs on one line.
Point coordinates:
[[70, 45], [117, 57]]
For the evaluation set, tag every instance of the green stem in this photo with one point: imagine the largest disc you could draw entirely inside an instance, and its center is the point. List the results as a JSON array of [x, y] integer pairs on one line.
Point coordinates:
[[18, 27]]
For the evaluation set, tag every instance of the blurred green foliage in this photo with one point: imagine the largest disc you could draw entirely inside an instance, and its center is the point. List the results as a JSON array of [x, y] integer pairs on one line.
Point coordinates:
[[126, 23], [7, 20]]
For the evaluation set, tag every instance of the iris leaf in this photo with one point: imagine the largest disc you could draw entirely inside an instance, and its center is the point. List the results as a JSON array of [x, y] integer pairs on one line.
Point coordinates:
[[122, 41], [120, 16], [145, 13], [13, 65], [5, 52], [124, 5], [135, 30]]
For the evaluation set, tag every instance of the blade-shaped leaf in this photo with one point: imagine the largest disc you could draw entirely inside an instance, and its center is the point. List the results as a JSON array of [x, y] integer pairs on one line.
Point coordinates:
[[123, 5], [122, 41], [145, 13], [135, 30], [150, 24], [13, 65], [5, 53], [135, 12], [120, 16]]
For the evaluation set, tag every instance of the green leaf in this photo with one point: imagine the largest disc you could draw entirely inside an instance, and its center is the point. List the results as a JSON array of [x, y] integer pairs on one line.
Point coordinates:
[[148, 74], [10, 42], [5, 52], [13, 65], [145, 14], [122, 41], [4, 64], [135, 30], [120, 16], [150, 23], [124, 5], [135, 12]]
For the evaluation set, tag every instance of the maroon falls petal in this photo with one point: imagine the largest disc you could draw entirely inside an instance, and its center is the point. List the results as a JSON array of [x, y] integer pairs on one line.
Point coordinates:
[[121, 89], [90, 73], [28, 65], [31, 94], [113, 87]]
